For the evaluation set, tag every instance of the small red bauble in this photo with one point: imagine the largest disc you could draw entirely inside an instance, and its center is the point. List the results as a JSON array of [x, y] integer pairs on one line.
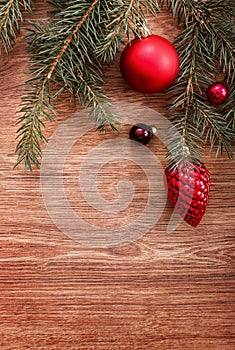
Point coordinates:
[[217, 93], [150, 64], [141, 134], [188, 188]]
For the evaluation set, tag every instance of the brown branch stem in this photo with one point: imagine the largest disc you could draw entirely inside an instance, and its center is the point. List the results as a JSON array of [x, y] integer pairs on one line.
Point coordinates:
[[10, 4], [70, 38]]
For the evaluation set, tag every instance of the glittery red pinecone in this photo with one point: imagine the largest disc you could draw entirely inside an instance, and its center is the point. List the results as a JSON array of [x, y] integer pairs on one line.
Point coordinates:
[[188, 190]]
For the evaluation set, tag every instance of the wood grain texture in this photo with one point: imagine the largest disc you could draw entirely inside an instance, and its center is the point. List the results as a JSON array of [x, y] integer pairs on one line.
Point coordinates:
[[161, 292]]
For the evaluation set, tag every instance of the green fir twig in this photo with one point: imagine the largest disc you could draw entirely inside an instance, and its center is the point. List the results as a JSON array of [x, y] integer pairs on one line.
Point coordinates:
[[206, 48], [67, 53], [69, 50], [11, 16]]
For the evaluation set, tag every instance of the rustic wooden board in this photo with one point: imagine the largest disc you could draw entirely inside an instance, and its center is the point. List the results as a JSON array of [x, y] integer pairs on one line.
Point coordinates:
[[163, 291]]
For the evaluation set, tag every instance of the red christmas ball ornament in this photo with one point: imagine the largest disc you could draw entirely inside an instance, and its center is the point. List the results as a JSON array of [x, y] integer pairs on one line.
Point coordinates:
[[141, 133], [188, 190], [217, 93], [150, 64]]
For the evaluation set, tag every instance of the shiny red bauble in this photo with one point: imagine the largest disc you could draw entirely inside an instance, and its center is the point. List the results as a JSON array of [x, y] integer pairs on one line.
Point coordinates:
[[217, 93], [150, 64], [141, 133], [188, 190]]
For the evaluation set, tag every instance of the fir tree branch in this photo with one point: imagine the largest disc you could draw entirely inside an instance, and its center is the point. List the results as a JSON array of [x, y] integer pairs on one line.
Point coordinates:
[[214, 128], [124, 19], [10, 17], [206, 48], [65, 55], [68, 52], [61, 56], [70, 38], [30, 132], [6, 11]]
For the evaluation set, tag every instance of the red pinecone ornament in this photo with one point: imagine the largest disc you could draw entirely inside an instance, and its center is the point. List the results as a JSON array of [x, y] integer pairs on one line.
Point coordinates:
[[188, 190]]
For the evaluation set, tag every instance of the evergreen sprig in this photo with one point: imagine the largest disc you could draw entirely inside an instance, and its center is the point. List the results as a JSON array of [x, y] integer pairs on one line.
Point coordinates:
[[61, 61], [68, 52], [206, 48], [11, 16], [123, 17]]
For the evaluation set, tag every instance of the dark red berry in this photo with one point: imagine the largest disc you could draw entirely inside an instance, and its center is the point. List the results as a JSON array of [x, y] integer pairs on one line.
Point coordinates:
[[217, 93], [141, 133]]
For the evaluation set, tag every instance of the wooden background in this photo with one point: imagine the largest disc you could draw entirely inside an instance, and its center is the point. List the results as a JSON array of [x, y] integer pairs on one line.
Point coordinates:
[[163, 291]]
